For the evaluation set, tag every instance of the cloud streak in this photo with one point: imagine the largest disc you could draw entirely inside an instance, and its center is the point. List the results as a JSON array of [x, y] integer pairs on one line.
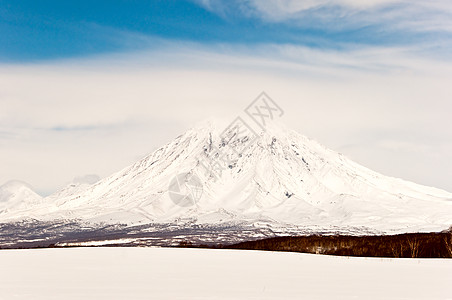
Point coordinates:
[[339, 15], [391, 104]]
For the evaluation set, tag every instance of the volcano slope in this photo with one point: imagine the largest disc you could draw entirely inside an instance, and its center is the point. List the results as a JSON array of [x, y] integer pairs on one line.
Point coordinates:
[[238, 186]]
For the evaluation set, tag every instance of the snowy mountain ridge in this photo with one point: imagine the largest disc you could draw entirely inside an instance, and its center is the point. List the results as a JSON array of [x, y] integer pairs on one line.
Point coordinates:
[[280, 178]]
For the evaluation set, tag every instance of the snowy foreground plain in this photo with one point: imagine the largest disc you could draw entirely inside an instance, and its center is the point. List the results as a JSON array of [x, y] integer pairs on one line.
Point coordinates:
[[179, 273]]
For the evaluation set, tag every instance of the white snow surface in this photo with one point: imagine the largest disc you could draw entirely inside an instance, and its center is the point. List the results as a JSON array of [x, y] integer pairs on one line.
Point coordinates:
[[177, 273], [283, 178]]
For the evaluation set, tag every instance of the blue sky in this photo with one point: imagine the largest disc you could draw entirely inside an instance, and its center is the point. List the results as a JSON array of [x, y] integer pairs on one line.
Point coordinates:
[[50, 29], [89, 87]]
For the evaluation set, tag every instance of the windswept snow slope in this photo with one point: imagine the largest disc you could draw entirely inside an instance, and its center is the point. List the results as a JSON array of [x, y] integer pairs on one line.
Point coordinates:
[[159, 273], [281, 178]]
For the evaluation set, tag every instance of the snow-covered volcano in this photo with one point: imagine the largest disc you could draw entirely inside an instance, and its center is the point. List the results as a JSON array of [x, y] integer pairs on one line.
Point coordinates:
[[279, 177]]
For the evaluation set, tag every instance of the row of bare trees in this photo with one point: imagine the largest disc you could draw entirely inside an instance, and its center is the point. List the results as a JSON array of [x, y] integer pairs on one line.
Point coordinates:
[[448, 241], [413, 245], [410, 245]]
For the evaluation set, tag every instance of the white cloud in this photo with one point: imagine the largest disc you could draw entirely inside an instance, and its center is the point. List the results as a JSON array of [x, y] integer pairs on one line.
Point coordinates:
[[88, 179], [336, 15], [98, 115]]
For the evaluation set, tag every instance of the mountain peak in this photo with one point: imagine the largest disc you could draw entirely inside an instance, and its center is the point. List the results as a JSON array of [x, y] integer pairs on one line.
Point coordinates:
[[17, 194], [237, 173]]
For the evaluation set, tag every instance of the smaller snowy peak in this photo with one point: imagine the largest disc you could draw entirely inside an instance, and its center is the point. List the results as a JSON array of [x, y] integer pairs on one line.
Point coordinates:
[[17, 194], [12, 188]]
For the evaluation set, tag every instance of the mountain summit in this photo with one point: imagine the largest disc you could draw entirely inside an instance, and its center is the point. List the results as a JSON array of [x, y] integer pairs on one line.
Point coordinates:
[[275, 177]]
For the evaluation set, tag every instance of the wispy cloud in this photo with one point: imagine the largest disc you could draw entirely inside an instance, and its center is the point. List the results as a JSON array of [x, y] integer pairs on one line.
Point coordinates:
[[96, 115], [337, 15]]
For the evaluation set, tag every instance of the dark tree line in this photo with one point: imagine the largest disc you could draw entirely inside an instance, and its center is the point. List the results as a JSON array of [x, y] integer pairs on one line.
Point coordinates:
[[427, 245]]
